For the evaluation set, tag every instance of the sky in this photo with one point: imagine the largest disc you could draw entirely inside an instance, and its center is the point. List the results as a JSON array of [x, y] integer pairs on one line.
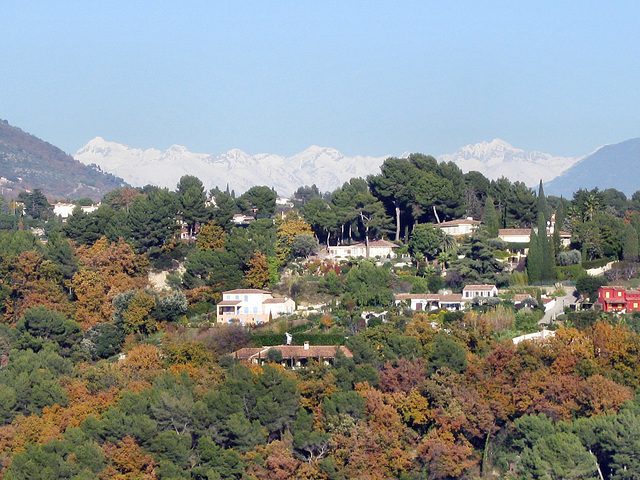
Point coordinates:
[[367, 78]]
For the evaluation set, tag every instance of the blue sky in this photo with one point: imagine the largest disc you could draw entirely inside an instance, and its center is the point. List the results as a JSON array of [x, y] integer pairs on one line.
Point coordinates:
[[368, 78]]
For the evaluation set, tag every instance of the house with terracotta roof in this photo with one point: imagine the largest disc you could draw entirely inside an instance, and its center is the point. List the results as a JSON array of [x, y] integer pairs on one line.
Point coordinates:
[[523, 235], [460, 227], [377, 248], [252, 306], [293, 356], [470, 292]]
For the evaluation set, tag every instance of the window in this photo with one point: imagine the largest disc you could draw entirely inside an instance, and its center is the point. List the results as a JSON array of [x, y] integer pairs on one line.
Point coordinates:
[[619, 294], [246, 309], [635, 304], [237, 297], [246, 298], [607, 295], [255, 309]]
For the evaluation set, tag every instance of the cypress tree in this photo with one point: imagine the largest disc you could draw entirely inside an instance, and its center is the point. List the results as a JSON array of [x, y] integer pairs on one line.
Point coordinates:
[[547, 257], [630, 244], [491, 219], [534, 259], [543, 206], [561, 215]]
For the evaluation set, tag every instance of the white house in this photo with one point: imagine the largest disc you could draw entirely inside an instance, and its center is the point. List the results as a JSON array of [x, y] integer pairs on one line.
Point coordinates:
[[242, 219], [377, 248], [457, 228], [523, 235], [65, 210], [471, 291], [432, 301], [252, 306]]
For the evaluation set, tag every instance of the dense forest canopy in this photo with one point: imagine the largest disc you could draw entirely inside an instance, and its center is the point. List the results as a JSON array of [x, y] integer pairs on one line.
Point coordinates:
[[112, 364]]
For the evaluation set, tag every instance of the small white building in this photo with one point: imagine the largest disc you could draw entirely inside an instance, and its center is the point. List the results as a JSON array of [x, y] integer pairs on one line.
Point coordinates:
[[242, 219], [460, 227], [377, 248], [485, 291], [65, 210], [432, 301], [523, 235], [252, 306]]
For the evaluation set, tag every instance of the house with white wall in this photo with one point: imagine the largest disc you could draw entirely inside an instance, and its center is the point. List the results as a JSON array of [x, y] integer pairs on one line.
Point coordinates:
[[377, 248], [470, 292], [252, 306], [459, 227]]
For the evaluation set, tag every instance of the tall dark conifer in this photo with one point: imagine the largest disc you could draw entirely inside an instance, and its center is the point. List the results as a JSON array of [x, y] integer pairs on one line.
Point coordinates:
[[534, 259], [491, 219]]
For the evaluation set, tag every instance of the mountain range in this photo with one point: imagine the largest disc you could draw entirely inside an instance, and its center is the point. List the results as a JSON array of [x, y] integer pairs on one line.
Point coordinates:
[[610, 166], [26, 162], [327, 168]]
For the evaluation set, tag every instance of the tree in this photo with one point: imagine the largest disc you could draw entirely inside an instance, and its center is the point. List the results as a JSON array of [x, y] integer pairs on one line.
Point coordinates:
[[152, 220], [225, 208], [369, 285], [426, 241], [36, 204], [258, 275], [304, 245], [191, 202], [491, 219], [289, 228], [630, 244], [321, 217], [211, 236], [260, 200], [391, 186], [48, 325]]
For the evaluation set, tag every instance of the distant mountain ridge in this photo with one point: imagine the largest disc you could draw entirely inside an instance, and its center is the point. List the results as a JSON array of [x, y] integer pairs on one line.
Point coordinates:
[[498, 158], [26, 163], [610, 166], [327, 168]]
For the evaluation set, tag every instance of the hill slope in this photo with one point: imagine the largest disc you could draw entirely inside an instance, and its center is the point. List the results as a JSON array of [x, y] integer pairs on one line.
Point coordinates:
[[26, 162], [611, 166]]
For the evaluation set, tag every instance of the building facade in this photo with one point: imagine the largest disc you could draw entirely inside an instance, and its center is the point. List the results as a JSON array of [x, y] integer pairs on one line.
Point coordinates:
[[252, 306], [619, 299]]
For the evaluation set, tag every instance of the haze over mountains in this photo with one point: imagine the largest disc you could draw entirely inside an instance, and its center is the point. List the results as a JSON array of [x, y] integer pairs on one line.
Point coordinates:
[[327, 168]]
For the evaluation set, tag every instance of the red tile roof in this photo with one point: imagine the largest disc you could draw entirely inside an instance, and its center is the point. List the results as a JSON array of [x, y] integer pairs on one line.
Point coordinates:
[[244, 290], [293, 351], [479, 287]]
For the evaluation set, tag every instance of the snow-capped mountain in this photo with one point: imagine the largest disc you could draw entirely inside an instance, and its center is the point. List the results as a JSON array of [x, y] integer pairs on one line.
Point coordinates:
[[327, 168], [497, 159]]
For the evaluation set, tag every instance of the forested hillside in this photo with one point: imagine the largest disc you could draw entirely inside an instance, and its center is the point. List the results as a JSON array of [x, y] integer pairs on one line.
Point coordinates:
[[106, 376], [26, 162]]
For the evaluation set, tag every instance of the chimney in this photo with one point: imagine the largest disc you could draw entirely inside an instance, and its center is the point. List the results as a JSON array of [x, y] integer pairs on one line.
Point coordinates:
[[306, 345]]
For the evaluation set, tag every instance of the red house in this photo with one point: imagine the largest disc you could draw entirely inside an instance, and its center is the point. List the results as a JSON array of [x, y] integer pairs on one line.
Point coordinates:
[[619, 299]]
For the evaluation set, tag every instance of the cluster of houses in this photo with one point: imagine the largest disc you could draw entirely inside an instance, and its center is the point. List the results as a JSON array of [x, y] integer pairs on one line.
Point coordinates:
[[254, 307]]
